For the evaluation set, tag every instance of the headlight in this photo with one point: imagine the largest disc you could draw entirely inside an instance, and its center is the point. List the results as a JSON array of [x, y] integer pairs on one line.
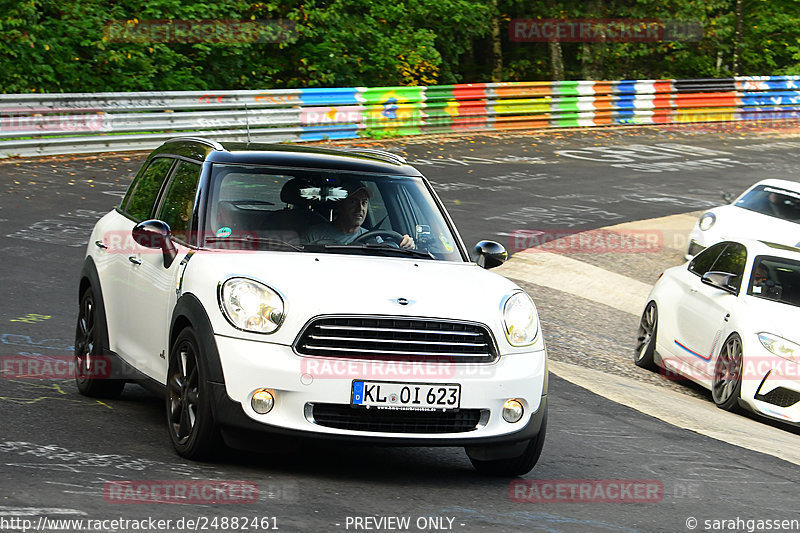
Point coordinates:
[[251, 306], [706, 221], [520, 320], [780, 346]]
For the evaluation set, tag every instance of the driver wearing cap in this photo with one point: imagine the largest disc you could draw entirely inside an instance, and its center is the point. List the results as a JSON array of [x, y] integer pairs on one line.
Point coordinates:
[[350, 214]]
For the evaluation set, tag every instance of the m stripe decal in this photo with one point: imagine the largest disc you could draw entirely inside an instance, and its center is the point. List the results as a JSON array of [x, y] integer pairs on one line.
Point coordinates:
[[693, 352]]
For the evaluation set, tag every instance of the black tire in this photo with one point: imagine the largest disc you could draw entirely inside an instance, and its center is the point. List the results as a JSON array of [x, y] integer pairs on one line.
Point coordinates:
[[190, 421], [514, 466], [644, 354], [726, 386], [92, 365]]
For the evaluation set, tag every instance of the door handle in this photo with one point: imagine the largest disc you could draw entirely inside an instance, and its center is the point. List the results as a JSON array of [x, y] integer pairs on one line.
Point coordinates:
[[135, 260], [101, 245]]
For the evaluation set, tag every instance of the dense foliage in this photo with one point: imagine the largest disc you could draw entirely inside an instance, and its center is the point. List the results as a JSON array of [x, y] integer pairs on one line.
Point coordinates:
[[67, 45]]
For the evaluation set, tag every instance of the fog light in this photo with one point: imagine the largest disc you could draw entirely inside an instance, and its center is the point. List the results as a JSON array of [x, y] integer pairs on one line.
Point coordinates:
[[262, 401], [512, 411]]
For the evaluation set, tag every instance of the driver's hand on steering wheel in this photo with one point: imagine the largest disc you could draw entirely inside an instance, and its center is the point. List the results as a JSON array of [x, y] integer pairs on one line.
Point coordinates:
[[407, 242]]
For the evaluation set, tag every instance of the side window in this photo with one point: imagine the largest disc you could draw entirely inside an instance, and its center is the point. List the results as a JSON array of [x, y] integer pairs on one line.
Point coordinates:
[[705, 259], [178, 202], [142, 195], [733, 261]]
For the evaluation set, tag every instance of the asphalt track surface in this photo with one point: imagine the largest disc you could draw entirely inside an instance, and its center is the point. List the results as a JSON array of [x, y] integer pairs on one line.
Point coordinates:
[[58, 449]]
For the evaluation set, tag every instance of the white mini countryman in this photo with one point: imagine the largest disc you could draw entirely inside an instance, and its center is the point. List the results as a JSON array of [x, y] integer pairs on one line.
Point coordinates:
[[286, 291]]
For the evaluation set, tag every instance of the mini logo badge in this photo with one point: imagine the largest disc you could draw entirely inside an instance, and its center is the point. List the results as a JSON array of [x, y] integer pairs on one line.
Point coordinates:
[[403, 301]]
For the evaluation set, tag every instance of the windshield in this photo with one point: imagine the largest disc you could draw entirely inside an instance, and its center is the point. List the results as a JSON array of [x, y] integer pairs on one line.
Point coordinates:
[[772, 201], [776, 279], [264, 208]]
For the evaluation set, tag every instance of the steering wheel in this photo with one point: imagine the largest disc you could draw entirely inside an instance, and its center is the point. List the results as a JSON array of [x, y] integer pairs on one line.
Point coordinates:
[[387, 233]]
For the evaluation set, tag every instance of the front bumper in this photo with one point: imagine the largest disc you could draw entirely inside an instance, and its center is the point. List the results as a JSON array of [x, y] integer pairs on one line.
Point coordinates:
[[301, 382], [771, 386]]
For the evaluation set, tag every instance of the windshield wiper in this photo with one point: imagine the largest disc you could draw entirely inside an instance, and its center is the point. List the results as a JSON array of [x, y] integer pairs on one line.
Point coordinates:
[[380, 248], [256, 240]]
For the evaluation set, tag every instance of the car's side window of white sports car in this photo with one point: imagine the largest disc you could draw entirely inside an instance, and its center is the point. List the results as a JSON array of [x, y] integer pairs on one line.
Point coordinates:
[[706, 259], [732, 261], [776, 279]]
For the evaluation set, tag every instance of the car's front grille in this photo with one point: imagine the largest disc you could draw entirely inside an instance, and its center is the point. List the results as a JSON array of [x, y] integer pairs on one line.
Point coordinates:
[[396, 339], [780, 396], [395, 421]]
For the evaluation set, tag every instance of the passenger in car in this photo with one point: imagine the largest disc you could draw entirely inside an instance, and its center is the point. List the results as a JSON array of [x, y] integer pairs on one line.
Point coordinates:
[[350, 215]]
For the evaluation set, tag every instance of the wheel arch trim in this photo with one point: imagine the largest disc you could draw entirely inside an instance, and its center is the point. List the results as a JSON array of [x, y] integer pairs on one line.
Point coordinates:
[[91, 279], [190, 312]]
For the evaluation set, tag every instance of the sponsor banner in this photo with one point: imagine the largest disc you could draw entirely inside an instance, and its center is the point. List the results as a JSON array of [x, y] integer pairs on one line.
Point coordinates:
[[345, 96], [392, 111]]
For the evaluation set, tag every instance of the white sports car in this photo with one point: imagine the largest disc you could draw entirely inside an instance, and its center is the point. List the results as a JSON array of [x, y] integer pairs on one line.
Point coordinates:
[[271, 291], [769, 209], [728, 321]]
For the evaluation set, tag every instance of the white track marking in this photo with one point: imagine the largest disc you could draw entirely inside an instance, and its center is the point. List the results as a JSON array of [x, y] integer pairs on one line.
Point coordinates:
[[688, 412], [38, 511], [576, 277]]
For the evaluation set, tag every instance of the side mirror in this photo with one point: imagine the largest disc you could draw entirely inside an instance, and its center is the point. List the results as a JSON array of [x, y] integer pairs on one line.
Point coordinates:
[[728, 197], [156, 234], [489, 254], [721, 280]]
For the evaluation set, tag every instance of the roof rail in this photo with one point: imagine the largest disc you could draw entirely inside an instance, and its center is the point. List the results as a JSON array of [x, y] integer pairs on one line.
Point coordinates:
[[209, 142], [373, 152]]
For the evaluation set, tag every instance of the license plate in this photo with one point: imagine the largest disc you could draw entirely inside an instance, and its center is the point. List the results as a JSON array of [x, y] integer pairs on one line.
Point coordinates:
[[406, 396]]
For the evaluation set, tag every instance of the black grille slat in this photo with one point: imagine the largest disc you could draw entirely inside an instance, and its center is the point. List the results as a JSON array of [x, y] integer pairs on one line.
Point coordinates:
[[396, 339], [356, 328], [395, 421], [362, 352]]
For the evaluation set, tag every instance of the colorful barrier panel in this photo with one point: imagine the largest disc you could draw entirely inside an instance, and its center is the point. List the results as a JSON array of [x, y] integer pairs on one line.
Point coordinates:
[[43, 124]]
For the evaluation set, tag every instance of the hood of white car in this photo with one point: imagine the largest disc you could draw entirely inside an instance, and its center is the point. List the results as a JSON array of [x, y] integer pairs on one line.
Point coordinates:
[[738, 223], [772, 317], [324, 284]]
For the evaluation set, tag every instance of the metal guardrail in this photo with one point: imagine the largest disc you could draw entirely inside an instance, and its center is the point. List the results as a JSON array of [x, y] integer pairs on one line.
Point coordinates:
[[48, 124]]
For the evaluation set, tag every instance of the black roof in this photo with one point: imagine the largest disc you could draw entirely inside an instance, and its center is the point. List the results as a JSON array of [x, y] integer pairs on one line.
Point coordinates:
[[294, 156]]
